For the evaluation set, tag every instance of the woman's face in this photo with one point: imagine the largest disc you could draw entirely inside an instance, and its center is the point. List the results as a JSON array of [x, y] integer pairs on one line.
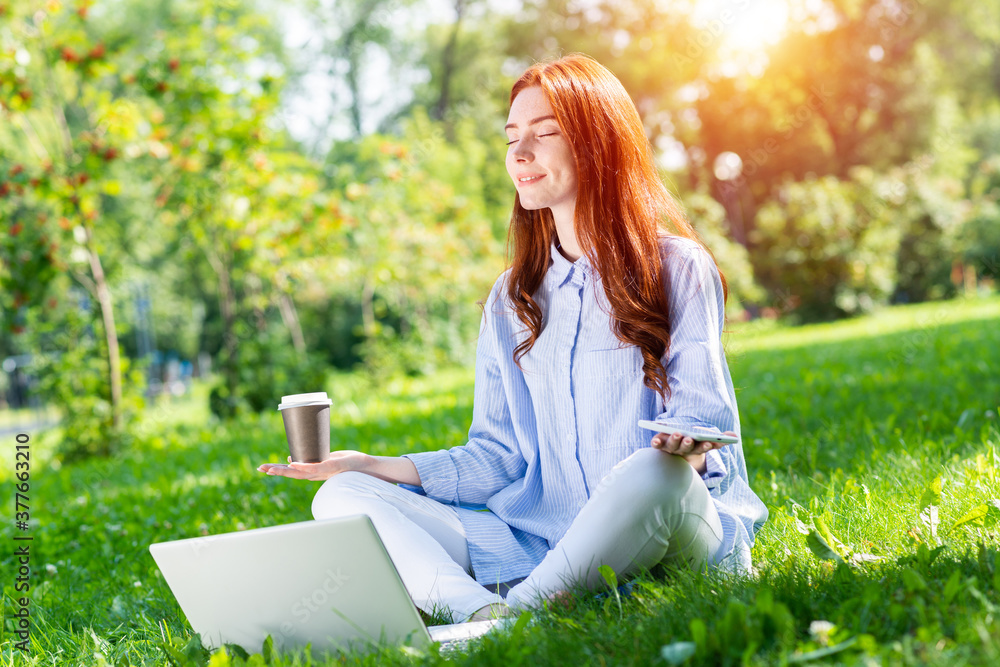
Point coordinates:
[[539, 158]]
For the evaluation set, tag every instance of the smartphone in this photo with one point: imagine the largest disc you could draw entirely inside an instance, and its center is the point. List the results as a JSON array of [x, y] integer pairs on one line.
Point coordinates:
[[692, 432]]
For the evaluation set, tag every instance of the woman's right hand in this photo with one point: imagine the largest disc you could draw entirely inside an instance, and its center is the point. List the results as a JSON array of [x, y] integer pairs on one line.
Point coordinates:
[[392, 469], [337, 462]]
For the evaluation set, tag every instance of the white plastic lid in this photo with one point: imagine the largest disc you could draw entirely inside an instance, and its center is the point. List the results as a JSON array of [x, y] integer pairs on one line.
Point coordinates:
[[300, 400]]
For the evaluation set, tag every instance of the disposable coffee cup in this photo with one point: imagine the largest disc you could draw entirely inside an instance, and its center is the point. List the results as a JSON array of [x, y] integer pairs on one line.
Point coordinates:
[[307, 426]]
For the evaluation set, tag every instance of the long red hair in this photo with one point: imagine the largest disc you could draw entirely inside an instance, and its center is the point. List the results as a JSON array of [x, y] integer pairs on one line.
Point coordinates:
[[622, 209]]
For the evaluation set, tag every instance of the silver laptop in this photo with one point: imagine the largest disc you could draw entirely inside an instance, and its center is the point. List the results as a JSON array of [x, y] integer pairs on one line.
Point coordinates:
[[329, 584]]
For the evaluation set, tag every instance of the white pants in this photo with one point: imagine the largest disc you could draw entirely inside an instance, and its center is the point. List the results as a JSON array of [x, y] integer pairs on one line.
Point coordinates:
[[652, 507]]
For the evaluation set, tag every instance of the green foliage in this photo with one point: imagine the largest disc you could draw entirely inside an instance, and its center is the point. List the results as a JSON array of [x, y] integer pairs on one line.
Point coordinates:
[[986, 515], [611, 579], [26, 248], [930, 215], [186, 654], [979, 238], [115, 91], [708, 218], [419, 245], [825, 247], [73, 376], [743, 630], [269, 368]]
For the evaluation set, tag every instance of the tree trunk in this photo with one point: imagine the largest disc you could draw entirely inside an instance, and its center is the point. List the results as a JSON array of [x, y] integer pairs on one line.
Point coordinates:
[[351, 49], [353, 65], [110, 332], [368, 307], [227, 304], [291, 319], [448, 63]]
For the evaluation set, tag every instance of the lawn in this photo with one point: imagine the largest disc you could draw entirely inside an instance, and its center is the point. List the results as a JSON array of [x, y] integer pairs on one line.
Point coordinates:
[[873, 442]]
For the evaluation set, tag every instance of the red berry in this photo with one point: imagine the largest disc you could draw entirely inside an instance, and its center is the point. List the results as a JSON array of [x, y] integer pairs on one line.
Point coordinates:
[[16, 229], [16, 169], [4, 190], [69, 55], [110, 154], [96, 53], [162, 86], [174, 64]]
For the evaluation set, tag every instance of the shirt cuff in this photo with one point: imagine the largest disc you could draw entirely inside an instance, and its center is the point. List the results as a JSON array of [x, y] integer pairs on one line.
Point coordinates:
[[715, 470], [438, 475]]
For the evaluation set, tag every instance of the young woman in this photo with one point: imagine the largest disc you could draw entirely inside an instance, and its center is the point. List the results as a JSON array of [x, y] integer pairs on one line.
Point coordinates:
[[611, 312]]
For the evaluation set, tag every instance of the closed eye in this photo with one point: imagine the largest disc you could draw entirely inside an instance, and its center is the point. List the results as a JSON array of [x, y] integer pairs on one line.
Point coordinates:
[[548, 134]]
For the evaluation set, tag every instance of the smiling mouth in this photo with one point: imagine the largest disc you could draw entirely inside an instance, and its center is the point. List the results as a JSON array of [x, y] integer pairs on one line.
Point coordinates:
[[528, 179]]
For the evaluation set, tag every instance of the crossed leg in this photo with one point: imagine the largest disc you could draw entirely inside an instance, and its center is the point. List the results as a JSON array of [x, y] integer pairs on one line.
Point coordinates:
[[651, 508]]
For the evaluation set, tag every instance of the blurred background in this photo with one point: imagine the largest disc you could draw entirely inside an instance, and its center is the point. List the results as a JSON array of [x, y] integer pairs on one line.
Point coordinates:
[[254, 194]]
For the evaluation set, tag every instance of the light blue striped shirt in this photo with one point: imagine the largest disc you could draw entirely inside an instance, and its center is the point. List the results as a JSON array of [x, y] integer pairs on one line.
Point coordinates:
[[543, 438]]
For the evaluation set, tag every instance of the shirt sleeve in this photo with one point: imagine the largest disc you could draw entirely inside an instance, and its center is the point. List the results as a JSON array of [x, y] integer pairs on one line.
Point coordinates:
[[715, 469], [696, 366], [473, 473], [702, 393]]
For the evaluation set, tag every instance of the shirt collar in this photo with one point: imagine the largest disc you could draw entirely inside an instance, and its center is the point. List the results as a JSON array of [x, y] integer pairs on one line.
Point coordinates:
[[563, 271]]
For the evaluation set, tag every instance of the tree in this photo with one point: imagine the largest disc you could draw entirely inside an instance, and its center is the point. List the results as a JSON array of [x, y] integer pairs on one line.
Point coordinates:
[[346, 38], [225, 180], [67, 131], [652, 48], [418, 245]]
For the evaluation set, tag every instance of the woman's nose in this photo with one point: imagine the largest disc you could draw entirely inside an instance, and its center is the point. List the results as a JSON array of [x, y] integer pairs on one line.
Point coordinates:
[[522, 150]]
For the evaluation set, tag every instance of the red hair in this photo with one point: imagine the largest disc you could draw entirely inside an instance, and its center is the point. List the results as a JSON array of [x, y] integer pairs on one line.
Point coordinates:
[[622, 209]]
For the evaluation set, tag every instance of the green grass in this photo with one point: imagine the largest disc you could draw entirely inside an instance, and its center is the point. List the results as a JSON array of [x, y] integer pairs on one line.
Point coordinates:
[[846, 427]]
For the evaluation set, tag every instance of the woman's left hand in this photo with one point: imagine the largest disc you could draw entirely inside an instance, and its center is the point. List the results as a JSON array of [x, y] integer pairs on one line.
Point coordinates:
[[692, 450]]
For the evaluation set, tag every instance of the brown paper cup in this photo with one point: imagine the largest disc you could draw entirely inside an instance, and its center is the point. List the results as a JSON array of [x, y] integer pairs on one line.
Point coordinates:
[[307, 426]]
